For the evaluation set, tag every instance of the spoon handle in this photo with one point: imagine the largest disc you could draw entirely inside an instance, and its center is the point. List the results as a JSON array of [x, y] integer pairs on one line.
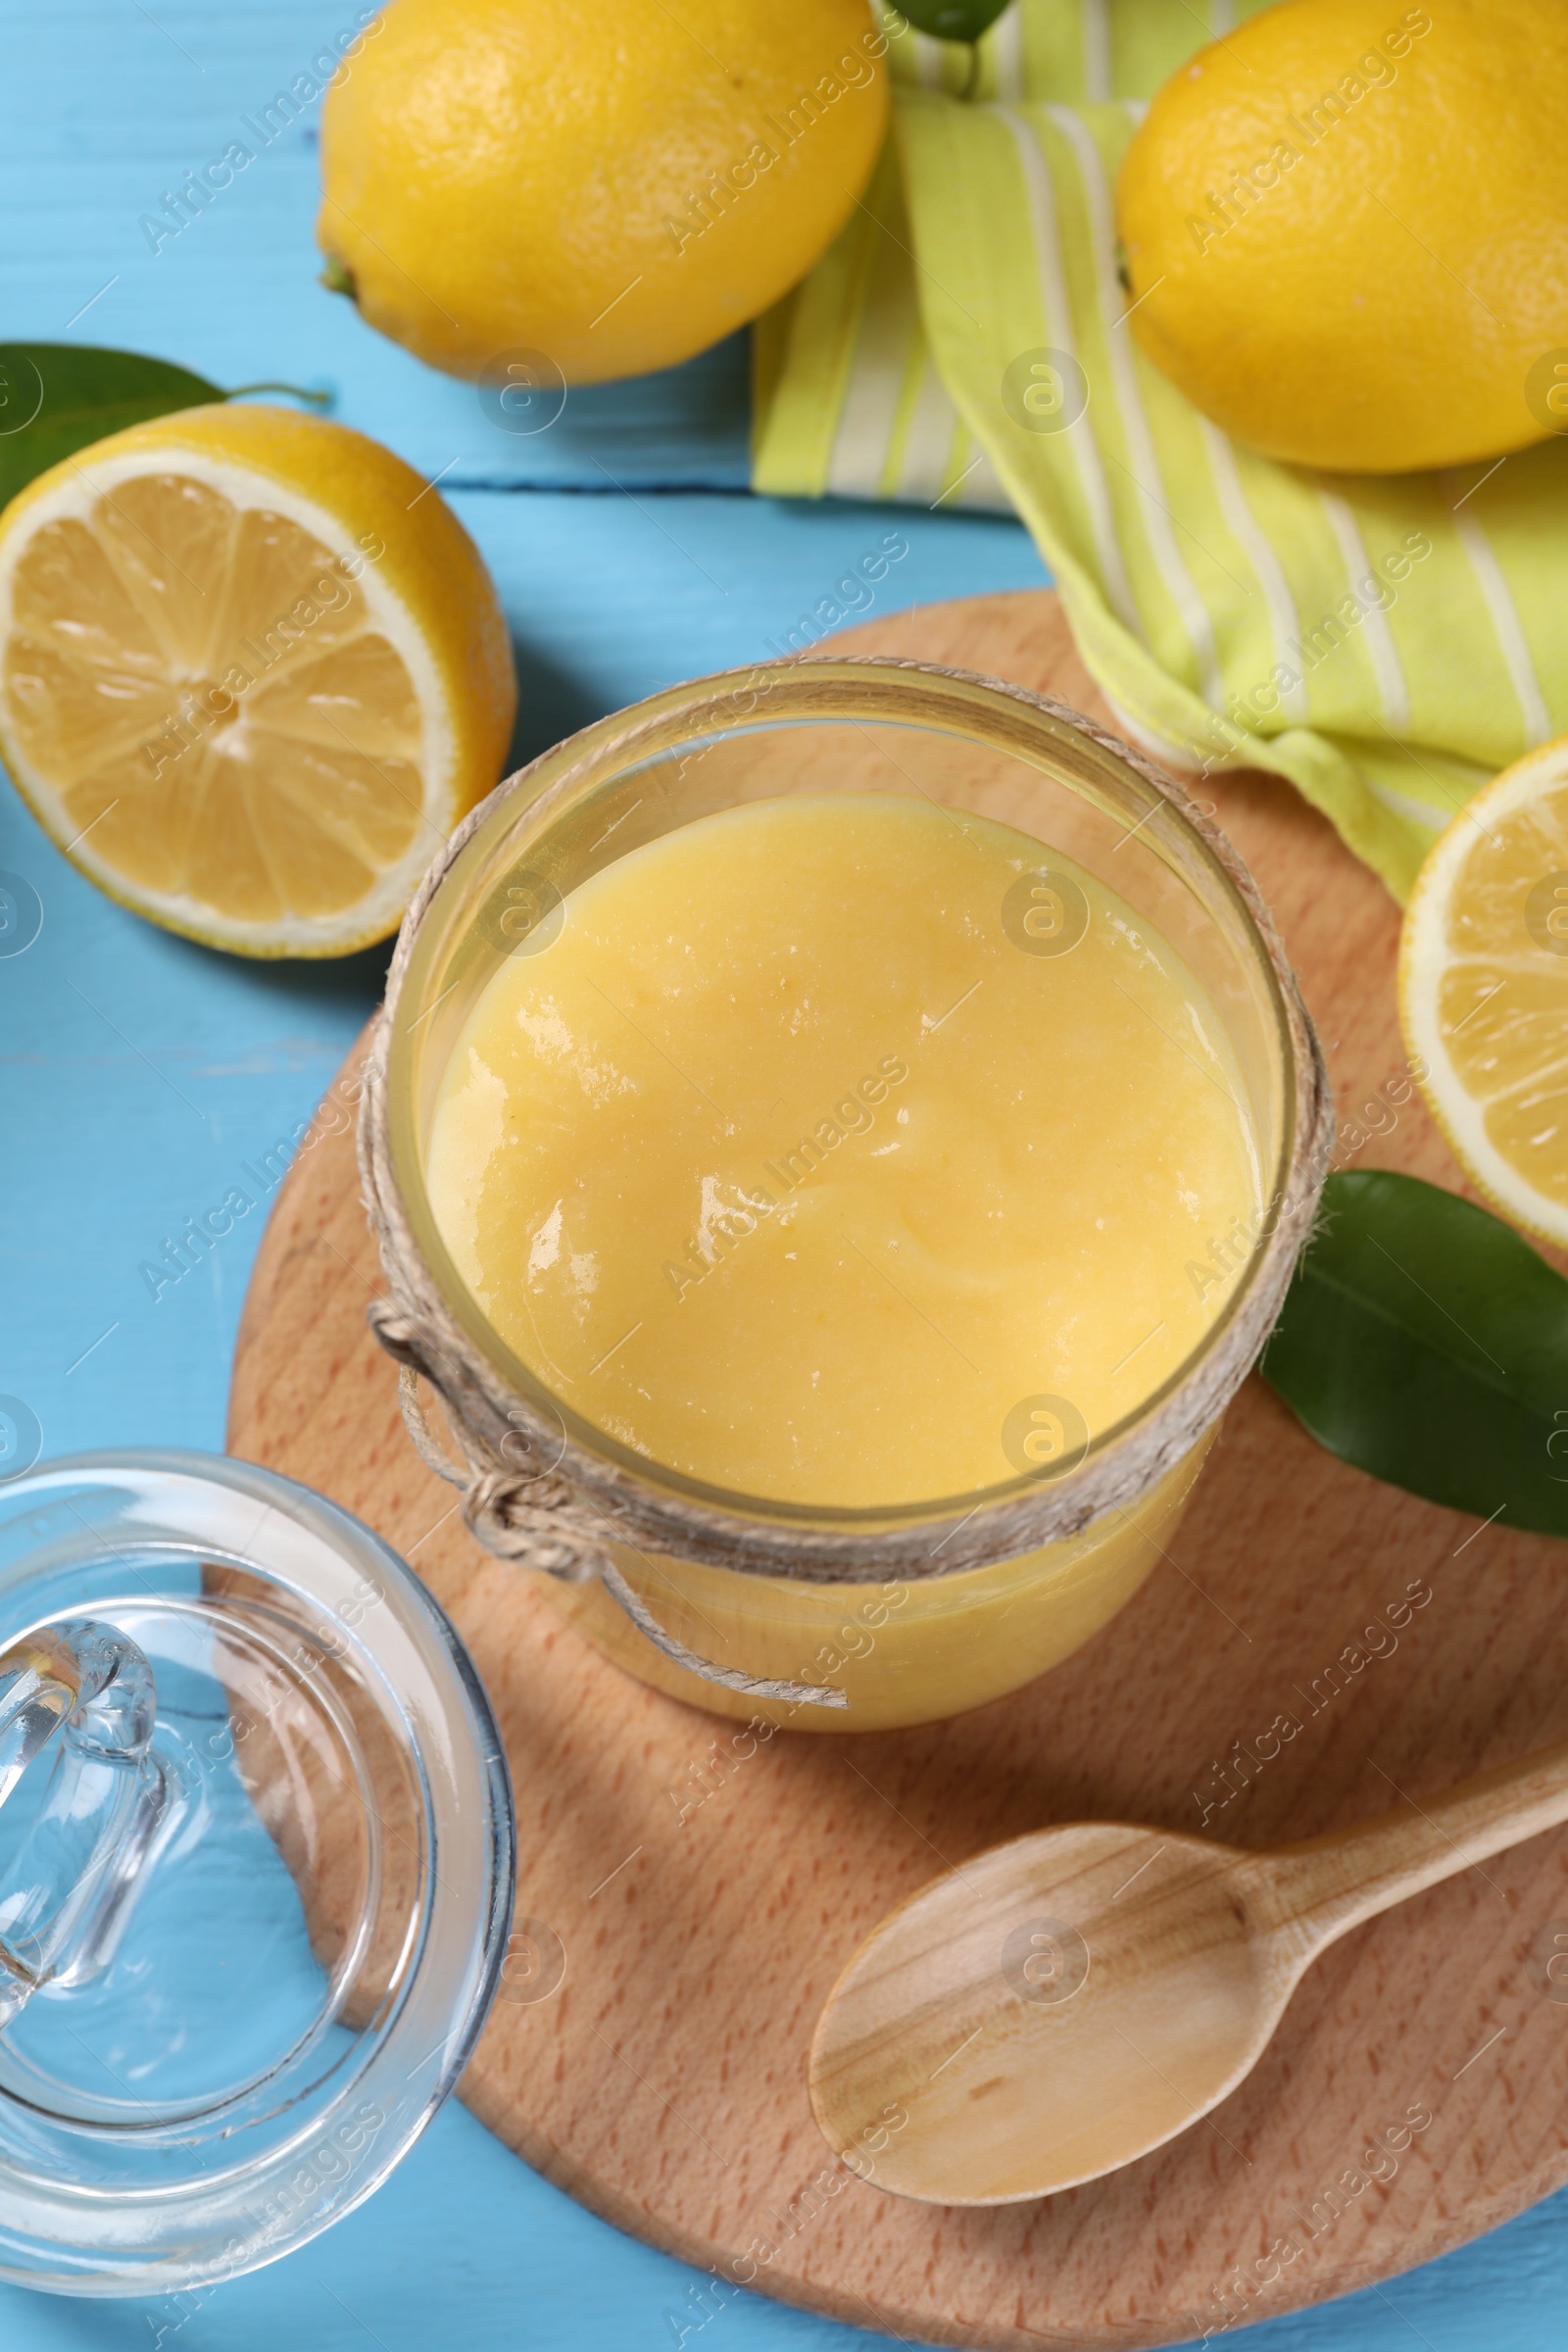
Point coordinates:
[[1319, 1890]]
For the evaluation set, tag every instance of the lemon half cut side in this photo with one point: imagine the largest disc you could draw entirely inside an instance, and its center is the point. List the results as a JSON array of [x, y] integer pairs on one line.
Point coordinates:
[[253, 672], [1484, 988]]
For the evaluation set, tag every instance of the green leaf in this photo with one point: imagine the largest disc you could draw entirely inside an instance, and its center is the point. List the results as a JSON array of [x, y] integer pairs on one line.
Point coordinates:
[[56, 398], [952, 19], [1424, 1340]]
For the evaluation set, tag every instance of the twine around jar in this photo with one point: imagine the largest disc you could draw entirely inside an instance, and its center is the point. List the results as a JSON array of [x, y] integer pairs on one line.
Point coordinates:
[[533, 1495], [507, 1517]]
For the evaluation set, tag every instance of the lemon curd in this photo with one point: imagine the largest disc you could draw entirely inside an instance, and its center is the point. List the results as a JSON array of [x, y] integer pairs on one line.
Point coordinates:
[[844, 1150]]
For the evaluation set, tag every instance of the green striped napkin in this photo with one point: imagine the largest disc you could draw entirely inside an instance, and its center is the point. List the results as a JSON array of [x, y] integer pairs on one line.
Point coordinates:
[[1386, 642]]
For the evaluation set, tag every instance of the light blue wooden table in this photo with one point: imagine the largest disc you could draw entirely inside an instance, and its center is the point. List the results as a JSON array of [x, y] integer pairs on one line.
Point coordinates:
[[138, 1069]]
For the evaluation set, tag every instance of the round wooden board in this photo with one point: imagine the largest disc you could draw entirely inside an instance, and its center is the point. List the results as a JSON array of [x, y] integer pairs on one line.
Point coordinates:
[[664, 2083]]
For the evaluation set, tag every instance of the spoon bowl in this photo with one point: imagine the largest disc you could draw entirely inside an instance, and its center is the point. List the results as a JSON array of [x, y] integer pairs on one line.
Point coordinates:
[[1050, 2009], [1058, 2006]]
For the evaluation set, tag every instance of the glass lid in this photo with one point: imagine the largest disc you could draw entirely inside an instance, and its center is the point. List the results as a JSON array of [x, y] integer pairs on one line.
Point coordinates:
[[256, 1868]]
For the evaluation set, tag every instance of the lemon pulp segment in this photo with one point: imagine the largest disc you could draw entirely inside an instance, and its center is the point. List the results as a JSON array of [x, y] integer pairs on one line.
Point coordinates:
[[202, 683], [1484, 988]]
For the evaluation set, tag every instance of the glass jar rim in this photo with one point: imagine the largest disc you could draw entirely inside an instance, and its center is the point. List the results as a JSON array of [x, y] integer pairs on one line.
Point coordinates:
[[693, 1518]]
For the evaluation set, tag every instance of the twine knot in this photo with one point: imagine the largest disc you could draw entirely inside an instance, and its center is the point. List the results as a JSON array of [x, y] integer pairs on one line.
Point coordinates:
[[522, 1519], [534, 1520]]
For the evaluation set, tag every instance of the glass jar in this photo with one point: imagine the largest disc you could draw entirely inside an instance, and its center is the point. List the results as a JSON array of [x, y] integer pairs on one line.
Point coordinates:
[[894, 1615]]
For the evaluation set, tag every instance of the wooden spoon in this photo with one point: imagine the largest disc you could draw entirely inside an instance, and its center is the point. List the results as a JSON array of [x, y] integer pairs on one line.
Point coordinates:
[[1062, 2004]]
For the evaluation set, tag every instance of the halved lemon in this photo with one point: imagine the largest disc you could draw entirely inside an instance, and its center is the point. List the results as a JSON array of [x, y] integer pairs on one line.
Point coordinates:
[[1484, 988], [252, 673]]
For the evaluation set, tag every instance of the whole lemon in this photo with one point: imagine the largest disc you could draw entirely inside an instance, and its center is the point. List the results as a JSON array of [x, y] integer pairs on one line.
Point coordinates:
[[1346, 228], [605, 191]]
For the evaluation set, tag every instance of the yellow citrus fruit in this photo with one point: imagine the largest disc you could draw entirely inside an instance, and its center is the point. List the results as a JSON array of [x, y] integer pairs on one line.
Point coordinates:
[[608, 188], [1346, 228], [251, 672], [1484, 988]]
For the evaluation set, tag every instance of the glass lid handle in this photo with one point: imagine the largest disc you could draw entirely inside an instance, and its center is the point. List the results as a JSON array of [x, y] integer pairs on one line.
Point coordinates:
[[83, 1693]]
